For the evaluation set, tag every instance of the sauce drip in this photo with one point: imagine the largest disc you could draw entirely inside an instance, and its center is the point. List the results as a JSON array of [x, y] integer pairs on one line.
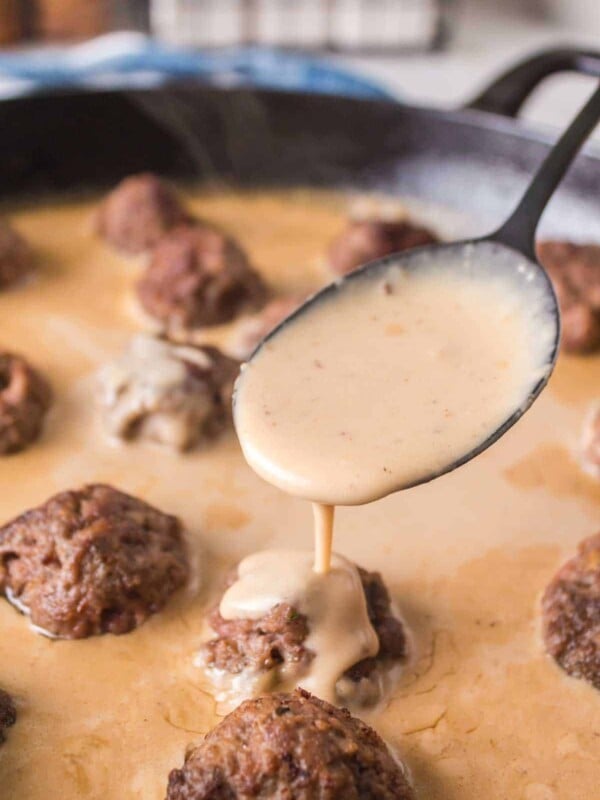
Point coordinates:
[[340, 634], [324, 517]]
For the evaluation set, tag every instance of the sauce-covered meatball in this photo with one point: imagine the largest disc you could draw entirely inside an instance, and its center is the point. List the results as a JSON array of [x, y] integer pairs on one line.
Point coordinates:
[[16, 259], [366, 240], [290, 746], [575, 274], [571, 614], [25, 397], [137, 212], [273, 648], [177, 395], [198, 276], [91, 561], [8, 713]]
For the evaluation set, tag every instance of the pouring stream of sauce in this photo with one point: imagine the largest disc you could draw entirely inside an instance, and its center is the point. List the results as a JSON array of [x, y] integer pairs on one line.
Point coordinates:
[[324, 517]]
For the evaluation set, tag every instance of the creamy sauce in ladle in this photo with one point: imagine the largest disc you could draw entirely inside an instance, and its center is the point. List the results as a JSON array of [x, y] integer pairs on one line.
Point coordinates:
[[391, 380]]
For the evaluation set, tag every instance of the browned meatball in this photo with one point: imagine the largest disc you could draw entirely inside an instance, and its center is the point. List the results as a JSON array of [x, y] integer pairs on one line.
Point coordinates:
[[176, 395], [138, 211], [277, 640], [571, 614], [290, 747], [25, 398], [8, 713], [16, 259], [575, 274], [198, 276], [366, 240], [91, 561], [252, 330]]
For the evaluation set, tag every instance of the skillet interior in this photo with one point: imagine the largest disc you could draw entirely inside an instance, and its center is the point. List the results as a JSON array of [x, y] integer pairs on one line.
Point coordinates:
[[468, 161]]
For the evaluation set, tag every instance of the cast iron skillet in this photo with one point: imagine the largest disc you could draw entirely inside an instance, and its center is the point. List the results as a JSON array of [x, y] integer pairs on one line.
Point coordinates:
[[470, 160]]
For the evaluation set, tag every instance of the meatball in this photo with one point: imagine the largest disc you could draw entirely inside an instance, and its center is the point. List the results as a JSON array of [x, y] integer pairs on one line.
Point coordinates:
[[25, 398], [286, 746], [275, 643], [590, 443], [8, 713], [137, 212], [175, 395], [575, 274], [198, 276], [252, 330], [16, 259], [91, 561], [571, 614], [366, 240]]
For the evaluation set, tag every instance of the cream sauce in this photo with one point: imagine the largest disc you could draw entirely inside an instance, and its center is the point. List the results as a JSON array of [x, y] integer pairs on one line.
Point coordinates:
[[481, 713], [136, 383], [323, 518], [340, 633], [389, 380]]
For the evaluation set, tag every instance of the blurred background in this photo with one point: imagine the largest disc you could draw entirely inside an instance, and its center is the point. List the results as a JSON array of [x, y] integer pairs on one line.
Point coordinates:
[[427, 51]]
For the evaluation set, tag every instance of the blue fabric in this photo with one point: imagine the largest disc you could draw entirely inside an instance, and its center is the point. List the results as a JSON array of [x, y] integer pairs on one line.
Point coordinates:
[[135, 60]]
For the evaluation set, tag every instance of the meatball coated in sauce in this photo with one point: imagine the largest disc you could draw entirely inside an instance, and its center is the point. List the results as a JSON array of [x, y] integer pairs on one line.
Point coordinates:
[[175, 395], [198, 276], [290, 747], [571, 614], [275, 643], [575, 274], [8, 713], [366, 240], [25, 397], [16, 259], [91, 561], [138, 212]]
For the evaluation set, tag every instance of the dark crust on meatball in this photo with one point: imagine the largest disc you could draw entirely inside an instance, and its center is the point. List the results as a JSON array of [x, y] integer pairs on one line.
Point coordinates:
[[138, 212], [24, 399], [389, 629], [278, 638], [571, 614], [366, 240], [92, 561], [16, 259], [290, 747], [258, 645], [198, 276], [8, 713], [575, 274]]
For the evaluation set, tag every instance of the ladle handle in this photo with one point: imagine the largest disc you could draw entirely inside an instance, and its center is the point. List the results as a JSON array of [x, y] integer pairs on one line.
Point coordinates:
[[518, 231]]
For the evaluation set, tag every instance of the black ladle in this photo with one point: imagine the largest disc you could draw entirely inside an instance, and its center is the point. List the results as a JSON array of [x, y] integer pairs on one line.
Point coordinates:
[[511, 249]]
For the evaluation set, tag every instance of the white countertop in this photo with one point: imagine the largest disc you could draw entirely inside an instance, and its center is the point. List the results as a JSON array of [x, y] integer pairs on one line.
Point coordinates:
[[484, 44]]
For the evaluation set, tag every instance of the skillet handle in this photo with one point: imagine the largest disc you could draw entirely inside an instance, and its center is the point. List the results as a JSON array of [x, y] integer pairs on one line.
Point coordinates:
[[507, 93]]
